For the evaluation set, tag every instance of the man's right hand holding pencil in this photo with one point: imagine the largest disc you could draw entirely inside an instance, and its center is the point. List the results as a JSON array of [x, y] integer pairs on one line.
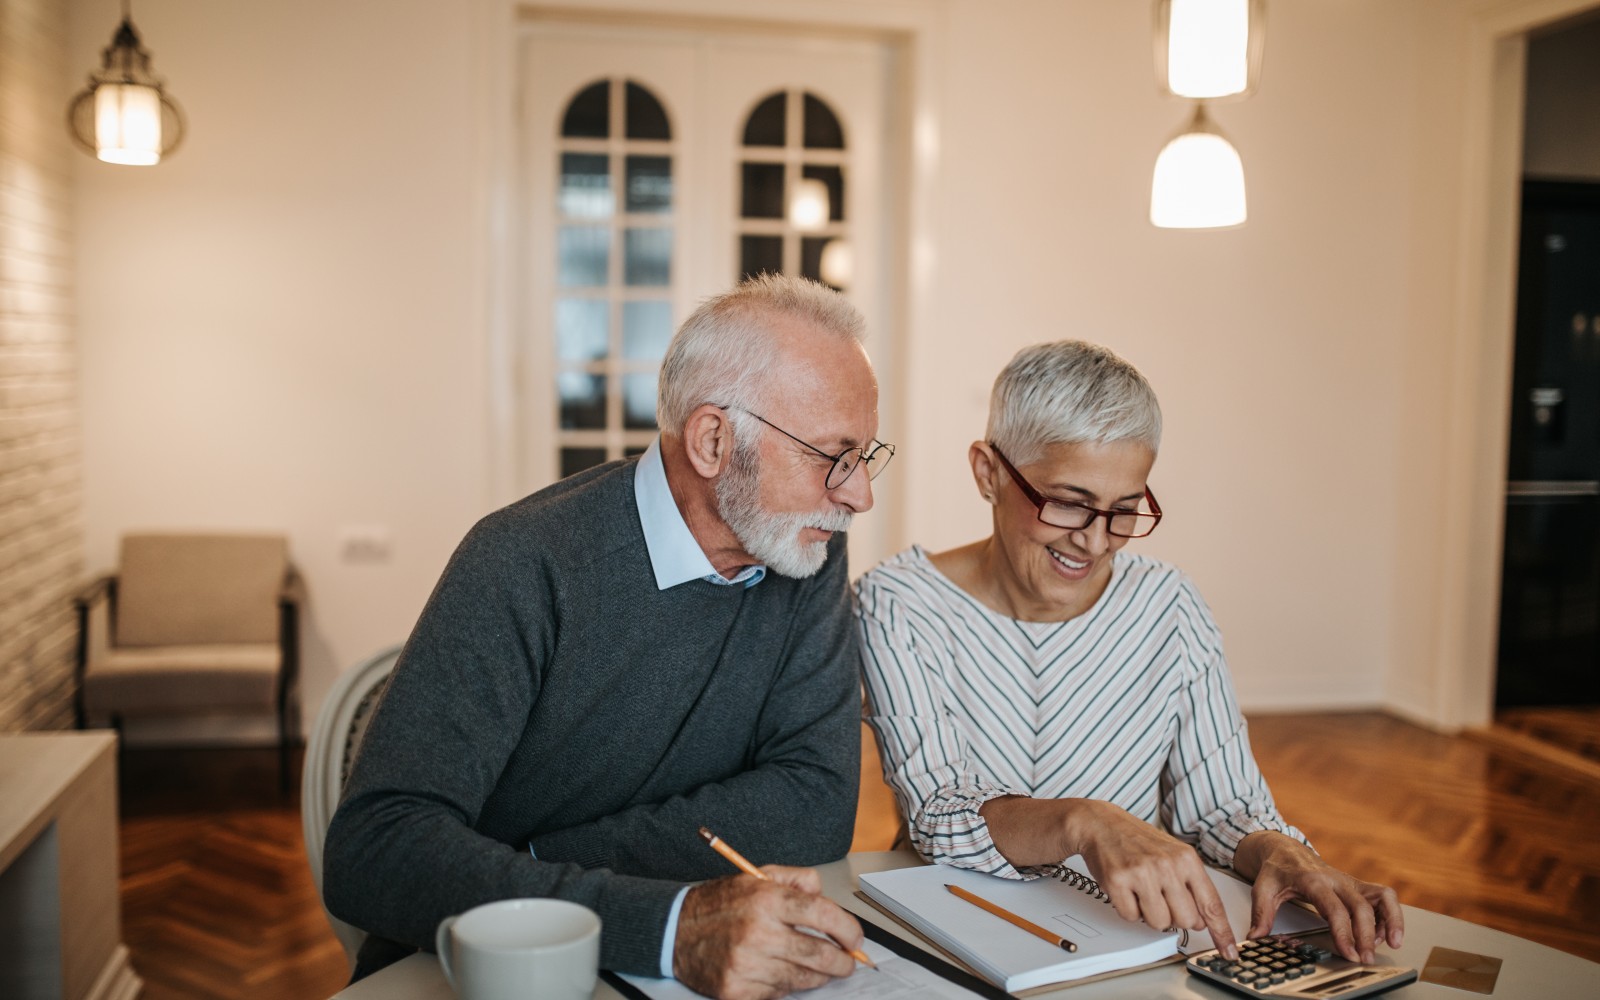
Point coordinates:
[[741, 938]]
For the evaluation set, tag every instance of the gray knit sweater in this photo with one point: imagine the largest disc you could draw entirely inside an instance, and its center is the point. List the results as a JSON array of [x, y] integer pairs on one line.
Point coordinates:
[[550, 693]]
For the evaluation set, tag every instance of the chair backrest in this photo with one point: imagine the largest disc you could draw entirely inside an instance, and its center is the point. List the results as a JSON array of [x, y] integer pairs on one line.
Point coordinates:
[[334, 740], [177, 590]]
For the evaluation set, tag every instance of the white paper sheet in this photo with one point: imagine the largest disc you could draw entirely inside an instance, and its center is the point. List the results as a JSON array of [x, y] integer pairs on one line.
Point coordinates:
[[895, 978]]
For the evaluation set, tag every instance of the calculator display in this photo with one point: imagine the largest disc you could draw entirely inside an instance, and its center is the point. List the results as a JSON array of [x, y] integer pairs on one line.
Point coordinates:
[[1332, 986]]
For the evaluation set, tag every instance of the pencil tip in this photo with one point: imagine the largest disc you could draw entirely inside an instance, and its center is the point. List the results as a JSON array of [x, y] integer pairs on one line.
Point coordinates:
[[707, 834]]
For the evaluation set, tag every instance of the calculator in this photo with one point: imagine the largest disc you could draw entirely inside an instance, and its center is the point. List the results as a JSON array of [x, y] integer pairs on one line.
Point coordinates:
[[1288, 967]]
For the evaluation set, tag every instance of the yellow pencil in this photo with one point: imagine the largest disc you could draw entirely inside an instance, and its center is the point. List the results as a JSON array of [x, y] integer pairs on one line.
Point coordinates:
[[1007, 915], [740, 862]]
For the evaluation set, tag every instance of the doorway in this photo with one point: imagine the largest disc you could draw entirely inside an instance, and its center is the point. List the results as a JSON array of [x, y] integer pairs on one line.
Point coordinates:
[[1547, 682]]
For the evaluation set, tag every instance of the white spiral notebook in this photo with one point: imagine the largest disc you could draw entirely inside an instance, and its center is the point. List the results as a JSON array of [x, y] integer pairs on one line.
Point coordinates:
[[1071, 905]]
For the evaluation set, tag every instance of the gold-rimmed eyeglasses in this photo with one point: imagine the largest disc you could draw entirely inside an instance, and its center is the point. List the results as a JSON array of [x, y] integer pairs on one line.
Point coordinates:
[[875, 458]]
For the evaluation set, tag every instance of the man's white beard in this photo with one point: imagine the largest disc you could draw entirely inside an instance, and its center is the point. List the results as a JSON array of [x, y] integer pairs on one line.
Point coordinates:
[[772, 538]]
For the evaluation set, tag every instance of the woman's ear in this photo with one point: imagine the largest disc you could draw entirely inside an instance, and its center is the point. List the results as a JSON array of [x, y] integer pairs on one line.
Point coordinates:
[[708, 440], [984, 469]]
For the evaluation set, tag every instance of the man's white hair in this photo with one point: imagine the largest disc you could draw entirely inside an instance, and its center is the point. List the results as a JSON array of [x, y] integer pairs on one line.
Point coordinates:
[[1070, 392], [724, 353]]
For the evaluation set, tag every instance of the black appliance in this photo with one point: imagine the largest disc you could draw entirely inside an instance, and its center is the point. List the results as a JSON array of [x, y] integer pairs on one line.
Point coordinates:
[[1550, 586]]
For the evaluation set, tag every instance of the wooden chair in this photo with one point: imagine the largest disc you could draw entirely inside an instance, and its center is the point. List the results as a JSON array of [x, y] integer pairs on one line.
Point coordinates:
[[335, 738], [192, 624]]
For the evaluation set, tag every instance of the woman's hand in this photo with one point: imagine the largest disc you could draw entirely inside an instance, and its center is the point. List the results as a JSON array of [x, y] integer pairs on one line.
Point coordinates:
[[1148, 874], [1359, 914]]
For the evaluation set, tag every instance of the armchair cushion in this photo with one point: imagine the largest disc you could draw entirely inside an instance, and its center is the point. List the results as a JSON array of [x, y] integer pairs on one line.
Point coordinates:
[[182, 679], [200, 589]]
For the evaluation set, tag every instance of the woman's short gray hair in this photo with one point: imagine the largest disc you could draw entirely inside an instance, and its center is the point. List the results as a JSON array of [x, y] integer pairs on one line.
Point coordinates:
[[725, 351], [1068, 392]]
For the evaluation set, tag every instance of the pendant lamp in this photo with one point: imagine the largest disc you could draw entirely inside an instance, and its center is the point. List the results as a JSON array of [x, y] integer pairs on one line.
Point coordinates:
[[1209, 49], [1199, 179], [124, 115], [809, 208]]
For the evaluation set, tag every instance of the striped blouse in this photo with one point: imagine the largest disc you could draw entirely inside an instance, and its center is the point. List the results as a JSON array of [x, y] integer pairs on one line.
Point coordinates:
[[1129, 703]]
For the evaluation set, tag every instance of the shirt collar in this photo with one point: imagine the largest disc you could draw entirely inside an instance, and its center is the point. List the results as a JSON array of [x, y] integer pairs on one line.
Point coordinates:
[[675, 556]]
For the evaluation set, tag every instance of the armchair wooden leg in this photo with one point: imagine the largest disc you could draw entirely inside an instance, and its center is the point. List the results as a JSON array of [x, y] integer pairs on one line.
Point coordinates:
[[283, 752]]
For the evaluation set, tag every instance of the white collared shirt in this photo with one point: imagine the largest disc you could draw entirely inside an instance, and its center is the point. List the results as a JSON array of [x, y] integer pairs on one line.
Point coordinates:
[[675, 556]]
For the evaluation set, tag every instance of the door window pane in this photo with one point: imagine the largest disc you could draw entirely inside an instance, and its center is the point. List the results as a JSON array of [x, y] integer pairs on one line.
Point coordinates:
[[766, 123], [760, 254], [585, 255], [647, 119], [582, 329], [762, 191], [639, 402], [585, 186], [822, 129], [589, 114], [583, 400], [649, 184], [834, 178], [646, 330], [574, 460], [647, 256]]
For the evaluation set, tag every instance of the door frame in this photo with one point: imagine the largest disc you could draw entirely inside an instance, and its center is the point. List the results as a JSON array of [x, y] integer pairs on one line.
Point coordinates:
[[913, 33], [1457, 679]]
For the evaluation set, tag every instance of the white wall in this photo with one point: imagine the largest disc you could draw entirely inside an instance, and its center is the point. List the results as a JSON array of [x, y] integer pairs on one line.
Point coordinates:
[[284, 326], [283, 323], [1266, 344]]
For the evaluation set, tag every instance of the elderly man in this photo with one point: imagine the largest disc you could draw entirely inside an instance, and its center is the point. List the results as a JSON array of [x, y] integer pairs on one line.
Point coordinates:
[[634, 652]]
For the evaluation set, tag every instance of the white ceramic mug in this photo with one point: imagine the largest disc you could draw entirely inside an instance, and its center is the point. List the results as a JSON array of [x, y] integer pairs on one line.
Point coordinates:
[[517, 949]]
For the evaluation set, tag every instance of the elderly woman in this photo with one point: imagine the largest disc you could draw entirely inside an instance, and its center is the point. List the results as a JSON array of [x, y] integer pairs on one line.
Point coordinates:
[[1042, 693]]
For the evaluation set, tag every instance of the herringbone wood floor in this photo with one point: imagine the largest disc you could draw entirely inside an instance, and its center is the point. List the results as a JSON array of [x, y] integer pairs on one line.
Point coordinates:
[[217, 898], [218, 901], [1455, 824]]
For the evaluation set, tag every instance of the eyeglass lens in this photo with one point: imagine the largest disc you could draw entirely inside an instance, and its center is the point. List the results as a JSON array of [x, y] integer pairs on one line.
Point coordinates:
[[846, 463], [1130, 525]]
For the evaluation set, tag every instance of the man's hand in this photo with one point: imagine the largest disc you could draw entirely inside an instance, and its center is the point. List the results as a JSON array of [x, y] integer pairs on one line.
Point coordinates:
[[1359, 914], [739, 937]]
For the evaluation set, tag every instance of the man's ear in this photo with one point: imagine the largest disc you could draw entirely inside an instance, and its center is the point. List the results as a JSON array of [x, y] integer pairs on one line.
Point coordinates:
[[708, 440]]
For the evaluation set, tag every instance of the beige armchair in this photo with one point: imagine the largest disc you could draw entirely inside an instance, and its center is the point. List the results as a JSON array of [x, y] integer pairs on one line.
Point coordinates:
[[192, 624]]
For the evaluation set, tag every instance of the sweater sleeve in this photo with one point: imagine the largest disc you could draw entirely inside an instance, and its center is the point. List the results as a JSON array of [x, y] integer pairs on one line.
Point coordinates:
[[1213, 792], [402, 851], [795, 801], [925, 756]]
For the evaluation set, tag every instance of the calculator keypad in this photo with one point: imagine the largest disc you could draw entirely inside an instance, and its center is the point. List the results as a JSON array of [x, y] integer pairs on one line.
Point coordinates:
[[1268, 966]]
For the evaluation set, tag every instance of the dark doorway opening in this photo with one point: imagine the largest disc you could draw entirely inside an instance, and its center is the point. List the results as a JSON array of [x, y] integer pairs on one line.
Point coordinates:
[[1549, 650]]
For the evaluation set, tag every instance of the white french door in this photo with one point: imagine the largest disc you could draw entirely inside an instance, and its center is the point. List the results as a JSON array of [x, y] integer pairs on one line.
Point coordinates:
[[656, 166]]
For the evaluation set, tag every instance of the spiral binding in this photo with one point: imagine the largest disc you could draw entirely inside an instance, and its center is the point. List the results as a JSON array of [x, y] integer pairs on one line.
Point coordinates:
[[1083, 883], [1076, 879]]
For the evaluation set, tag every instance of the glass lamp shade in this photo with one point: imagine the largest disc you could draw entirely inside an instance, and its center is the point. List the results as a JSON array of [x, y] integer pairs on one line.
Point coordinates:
[[837, 266], [808, 208], [1199, 180], [124, 116], [127, 124], [1209, 49]]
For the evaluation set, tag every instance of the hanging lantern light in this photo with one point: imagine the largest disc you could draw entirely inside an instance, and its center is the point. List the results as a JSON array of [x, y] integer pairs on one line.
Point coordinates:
[[124, 116], [1209, 49], [1199, 179]]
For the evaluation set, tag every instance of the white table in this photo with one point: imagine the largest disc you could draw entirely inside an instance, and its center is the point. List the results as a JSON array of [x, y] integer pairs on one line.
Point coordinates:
[[1529, 971]]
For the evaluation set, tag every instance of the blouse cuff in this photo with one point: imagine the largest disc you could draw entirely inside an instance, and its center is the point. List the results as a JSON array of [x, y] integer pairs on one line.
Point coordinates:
[[1220, 842], [950, 830]]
